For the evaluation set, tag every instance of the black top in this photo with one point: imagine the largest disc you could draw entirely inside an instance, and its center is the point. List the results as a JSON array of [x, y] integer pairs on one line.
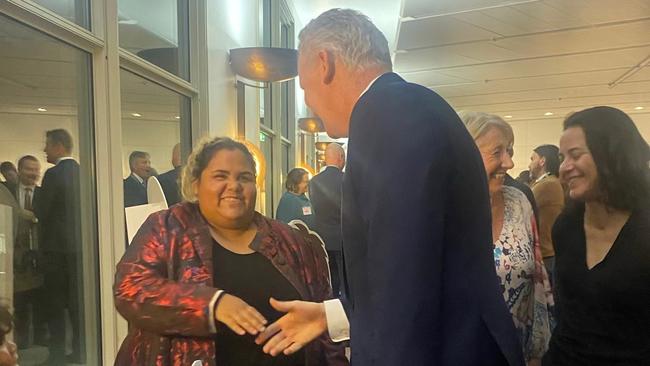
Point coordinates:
[[603, 313], [254, 279]]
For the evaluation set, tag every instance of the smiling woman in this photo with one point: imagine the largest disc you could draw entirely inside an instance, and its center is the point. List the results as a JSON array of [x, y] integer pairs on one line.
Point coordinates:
[[602, 243], [517, 254], [218, 263]]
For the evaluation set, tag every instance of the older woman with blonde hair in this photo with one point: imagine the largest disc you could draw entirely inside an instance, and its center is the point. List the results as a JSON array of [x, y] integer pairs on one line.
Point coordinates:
[[517, 254], [196, 281]]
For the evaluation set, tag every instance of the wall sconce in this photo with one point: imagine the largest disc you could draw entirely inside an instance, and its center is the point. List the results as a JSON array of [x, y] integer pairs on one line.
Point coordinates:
[[311, 124], [260, 64], [265, 64]]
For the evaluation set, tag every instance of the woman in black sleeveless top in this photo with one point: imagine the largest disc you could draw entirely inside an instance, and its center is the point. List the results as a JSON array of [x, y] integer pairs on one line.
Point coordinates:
[[602, 244]]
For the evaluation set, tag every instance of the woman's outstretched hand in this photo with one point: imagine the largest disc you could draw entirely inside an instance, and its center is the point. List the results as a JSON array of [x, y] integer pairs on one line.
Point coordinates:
[[240, 317]]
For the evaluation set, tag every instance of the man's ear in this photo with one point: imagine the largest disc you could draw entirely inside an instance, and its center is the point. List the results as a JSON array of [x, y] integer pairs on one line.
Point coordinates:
[[542, 162], [327, 66]]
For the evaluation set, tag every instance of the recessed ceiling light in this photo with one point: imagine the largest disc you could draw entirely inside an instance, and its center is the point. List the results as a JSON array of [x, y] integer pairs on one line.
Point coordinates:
[[508, 116], [178, 117], [136, 114], [548, 113], [41, 109], [638, 108]]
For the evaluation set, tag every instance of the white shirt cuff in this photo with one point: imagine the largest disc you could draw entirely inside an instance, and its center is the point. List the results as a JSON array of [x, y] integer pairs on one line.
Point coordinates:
[[338, 325], [211, 310]]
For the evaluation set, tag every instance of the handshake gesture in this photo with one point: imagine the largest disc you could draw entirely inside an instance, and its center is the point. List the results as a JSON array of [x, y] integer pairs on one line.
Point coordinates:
[[302, 323]]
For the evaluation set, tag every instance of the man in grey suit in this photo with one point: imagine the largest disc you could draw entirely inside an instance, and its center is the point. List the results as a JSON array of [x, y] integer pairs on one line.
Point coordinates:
[[325, 196]]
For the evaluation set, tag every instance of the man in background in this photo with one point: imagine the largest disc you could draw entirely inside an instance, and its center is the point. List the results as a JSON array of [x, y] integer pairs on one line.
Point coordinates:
[[135, 185], [58, 209], [549, 195], [325, 196], [169, 180], [27, 279], [10, 174]]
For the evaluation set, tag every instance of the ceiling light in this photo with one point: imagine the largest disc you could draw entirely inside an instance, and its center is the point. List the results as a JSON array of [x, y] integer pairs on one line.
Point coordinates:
[[178, 117], [508, 116], [41, 109], [638, 108], [548, 113], [136, 114]]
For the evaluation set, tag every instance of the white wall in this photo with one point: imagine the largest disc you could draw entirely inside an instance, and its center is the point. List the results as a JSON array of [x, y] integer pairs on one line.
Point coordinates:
[[24, 134], [230, 24], [155, 137], [531, 133]]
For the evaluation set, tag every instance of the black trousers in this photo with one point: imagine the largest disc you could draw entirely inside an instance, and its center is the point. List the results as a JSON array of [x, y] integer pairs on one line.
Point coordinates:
[[61, 289], [336, 270]]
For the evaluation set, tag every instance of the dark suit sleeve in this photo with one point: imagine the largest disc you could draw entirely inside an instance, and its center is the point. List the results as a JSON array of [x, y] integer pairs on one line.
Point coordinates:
[[44, 200]]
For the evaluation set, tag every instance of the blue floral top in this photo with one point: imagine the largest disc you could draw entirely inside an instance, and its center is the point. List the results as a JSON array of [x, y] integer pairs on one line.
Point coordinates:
[[522, 275]]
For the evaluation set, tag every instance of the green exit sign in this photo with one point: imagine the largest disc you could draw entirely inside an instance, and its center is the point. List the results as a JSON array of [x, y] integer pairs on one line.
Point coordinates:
[[262, 137]]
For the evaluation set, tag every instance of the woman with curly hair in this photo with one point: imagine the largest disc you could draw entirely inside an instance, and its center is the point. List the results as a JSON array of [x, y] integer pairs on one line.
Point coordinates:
[[196, 281]]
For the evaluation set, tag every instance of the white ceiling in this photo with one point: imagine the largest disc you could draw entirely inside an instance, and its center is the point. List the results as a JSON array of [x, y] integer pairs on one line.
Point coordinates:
[[519, 58], [527, 58]]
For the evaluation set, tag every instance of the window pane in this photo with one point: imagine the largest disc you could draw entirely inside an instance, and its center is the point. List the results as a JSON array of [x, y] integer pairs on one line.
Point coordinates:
[[76, 11], [52, 275], [266, 145], [285, 162], [157, 31], [154, 121], [284, 88]]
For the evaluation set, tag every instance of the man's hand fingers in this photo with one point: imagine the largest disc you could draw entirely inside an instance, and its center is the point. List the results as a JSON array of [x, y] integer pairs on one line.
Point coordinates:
[[281, 346], [282, 306], [274, 341], [269, 332], [295, 347]]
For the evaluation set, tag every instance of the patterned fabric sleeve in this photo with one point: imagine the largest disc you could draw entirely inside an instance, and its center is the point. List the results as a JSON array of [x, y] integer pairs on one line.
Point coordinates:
[[543, 304], [146, 297]]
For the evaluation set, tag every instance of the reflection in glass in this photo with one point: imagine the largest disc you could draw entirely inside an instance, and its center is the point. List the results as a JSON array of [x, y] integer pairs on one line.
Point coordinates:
[[47, 132], [76, 11], [157, 31], [266, 145], [155, 120]]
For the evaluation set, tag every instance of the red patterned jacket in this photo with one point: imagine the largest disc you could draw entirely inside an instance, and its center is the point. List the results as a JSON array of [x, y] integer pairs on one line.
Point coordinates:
[[164, 287]]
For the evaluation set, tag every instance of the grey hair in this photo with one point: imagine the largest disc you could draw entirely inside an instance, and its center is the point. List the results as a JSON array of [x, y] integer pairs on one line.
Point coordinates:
[[479, 123], [350, 35]]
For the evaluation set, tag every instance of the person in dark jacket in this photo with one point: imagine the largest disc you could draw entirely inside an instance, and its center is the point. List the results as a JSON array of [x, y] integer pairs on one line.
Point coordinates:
[[417, 235], [325, 195], [58, 209], [169, 181], [294, 204], [195, 283], [135, 185]]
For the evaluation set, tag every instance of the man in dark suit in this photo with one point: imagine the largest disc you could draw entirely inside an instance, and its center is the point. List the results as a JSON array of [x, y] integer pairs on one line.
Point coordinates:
[[10, 174], [58, 209], [325, 196], [135, 185], [27, 280], [417, 241], [169, 180]]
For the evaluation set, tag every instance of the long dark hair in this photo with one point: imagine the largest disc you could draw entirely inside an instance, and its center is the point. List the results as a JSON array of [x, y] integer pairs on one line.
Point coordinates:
[[620, 153]]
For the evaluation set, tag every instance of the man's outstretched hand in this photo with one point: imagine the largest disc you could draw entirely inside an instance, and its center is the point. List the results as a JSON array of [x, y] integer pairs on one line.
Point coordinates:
[[303, 322]]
